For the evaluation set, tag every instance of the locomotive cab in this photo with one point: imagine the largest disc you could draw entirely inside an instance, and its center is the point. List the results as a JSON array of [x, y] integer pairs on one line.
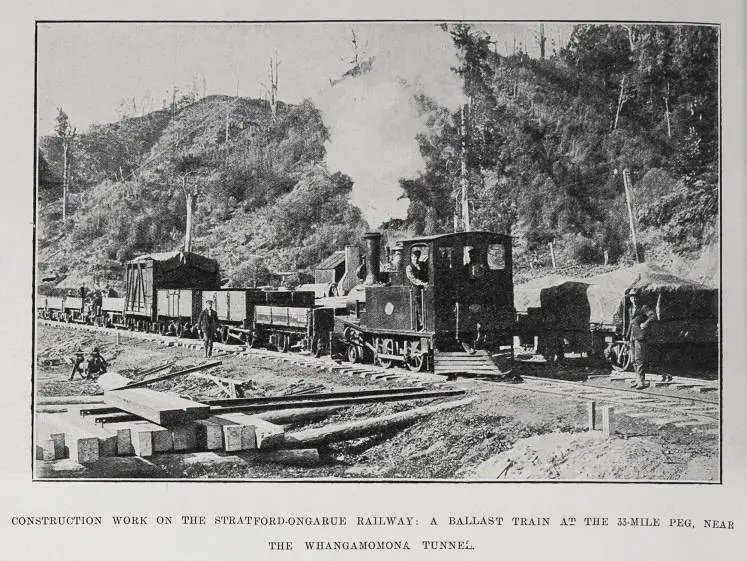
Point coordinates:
[[451, 293], [469, 296]]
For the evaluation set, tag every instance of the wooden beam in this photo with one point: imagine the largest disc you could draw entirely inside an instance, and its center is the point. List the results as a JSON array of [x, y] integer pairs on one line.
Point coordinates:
[[266, 434], [294, 402], [157, 407], [355, 429], [84, 442], [314, 396], [147, 381]]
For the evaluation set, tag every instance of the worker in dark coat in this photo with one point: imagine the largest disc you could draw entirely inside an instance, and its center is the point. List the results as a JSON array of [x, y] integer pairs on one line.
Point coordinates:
[[417, 274], [641, 317], [208, 324], [78, 361], [97, 364]]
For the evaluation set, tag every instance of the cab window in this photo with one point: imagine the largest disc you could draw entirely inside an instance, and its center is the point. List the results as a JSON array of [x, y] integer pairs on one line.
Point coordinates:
[[445, 257], [496, 257]]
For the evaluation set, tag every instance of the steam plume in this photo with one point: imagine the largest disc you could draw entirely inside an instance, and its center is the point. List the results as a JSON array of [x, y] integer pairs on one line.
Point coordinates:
[[373, 119]]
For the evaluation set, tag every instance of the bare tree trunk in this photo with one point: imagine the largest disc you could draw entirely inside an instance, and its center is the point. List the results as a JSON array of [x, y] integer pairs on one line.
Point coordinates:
[[666, 112], [65, 148], [542, 41], [464, 180], [191, 199], [620, 102], [273, 75]]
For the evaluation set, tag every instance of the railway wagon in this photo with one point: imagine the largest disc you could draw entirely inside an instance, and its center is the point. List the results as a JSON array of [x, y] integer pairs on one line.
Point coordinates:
[[292, 320], [592, 316], [460, 320], [61, 308], [146, 275]]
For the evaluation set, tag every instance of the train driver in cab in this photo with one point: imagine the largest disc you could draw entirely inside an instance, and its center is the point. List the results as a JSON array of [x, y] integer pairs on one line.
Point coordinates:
[[473, 269], [417, 274], [417, 271]]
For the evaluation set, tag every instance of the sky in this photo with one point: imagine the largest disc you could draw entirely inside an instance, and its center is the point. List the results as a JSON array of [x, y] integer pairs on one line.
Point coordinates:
[[87, 69], [373, 120]]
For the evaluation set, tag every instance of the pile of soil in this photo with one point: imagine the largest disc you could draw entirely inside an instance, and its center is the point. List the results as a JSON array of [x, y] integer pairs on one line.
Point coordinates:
[[584, 456]]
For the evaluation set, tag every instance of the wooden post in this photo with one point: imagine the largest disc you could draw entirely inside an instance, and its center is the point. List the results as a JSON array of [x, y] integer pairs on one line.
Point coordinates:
[[552, 252], [607, 421], [591, 411], [117, 336], [465, 183], [631, 216]]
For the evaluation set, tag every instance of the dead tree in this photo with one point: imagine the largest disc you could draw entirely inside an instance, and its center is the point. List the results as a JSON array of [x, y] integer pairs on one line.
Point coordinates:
[[186, 167], [272, 88], [667, 113], [67, 134], [620, 102]]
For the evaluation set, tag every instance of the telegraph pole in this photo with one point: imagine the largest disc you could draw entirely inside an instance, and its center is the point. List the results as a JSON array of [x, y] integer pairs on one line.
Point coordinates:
[[464, 181], [631, 216]]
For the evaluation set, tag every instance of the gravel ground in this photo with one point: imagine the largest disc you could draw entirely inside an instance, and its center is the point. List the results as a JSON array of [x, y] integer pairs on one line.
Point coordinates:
[[542, 436]]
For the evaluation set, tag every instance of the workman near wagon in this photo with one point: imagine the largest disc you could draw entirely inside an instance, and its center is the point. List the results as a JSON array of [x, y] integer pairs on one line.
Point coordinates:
[[78, 360], [97, 364], [641, 317], [208, 324], [417, 274]]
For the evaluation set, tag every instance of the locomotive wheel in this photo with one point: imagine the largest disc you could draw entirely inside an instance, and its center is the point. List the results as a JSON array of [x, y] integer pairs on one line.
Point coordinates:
[[353, 354], [385, 346], [282, 343], [415, 359], [620, 357]]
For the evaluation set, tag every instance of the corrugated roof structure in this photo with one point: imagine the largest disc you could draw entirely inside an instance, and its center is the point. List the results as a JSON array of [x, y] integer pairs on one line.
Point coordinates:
[[333, 261]]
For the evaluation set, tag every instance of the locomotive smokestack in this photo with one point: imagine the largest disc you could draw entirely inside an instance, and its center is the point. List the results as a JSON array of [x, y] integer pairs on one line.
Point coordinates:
[[373, 257]]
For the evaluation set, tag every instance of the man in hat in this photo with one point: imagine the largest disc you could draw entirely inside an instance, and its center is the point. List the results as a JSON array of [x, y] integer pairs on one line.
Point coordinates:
[[78, 360], [417, 274], [96, 364], [641, 317], [208, 324]]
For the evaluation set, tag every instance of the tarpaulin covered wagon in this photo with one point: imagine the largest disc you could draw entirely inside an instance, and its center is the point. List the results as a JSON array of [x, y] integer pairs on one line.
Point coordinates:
[[591, 316]]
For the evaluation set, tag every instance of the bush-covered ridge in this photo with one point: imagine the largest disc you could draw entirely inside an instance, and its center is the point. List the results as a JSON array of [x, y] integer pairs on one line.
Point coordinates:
[[547, 143]]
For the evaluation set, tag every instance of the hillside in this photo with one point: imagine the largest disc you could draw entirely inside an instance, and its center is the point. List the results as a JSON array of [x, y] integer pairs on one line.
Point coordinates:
[[265, 201], [546, 147]]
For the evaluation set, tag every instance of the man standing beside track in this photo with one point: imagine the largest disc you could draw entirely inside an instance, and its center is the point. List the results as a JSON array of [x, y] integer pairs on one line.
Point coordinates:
[[208, 324], [640, 317]]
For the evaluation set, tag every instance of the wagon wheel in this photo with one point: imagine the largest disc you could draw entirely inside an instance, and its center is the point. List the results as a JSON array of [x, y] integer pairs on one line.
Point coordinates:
[[415, 359], [385, 346], [620, 357], [353, 353], [282, 343]]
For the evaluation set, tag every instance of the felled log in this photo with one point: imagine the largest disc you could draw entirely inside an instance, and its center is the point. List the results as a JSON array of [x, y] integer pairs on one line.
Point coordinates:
[[355, 429], [176, 464], [290, 416], [108, 467], [71, 400]]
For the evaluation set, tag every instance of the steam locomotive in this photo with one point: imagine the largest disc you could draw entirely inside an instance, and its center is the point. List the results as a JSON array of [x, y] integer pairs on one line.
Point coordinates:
[[458, 318]]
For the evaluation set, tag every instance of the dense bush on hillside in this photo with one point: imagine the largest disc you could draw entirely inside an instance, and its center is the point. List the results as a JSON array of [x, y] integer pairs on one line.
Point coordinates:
[[547, 142]]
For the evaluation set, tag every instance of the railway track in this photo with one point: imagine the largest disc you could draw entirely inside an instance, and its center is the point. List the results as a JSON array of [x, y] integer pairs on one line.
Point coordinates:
[[701, 415], [698, 414]]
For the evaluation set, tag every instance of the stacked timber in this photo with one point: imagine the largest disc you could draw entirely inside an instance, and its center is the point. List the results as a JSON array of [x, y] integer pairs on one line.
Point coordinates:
[[146, 423]]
